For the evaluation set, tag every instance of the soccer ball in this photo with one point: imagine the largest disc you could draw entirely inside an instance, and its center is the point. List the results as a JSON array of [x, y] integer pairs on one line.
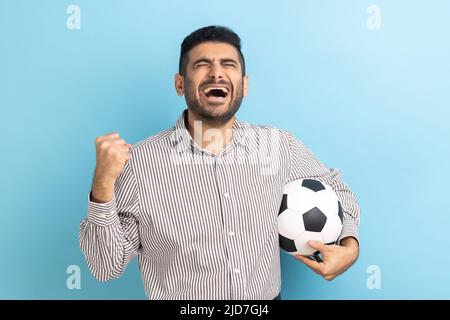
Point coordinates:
[[310, 210]]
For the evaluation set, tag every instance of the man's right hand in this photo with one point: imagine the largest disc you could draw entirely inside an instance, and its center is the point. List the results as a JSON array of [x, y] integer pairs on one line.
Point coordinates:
[[112, 154]]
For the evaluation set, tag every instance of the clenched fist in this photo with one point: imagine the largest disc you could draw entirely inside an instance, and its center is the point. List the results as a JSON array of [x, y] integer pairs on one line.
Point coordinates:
[[112, 154]]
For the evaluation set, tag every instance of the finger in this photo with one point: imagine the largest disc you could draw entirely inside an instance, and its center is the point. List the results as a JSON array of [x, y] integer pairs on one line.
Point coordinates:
[[111, 135], [114, 143], [122, 147], [108, 136], [317, 267], [118, 141], [318, 246]]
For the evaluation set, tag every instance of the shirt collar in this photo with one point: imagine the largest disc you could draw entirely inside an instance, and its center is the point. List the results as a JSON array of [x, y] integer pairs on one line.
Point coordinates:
[[183, 138]]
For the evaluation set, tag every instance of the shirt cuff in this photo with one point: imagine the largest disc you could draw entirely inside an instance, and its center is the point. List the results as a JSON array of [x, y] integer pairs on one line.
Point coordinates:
[[349, 229], [102, 214]]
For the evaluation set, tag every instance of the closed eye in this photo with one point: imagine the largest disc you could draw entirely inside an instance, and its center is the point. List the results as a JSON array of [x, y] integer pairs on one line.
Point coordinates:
[[230, 64], [201, 64]]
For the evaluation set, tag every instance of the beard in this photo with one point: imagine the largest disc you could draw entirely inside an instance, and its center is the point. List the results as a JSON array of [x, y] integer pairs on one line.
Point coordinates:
[[211, 114]]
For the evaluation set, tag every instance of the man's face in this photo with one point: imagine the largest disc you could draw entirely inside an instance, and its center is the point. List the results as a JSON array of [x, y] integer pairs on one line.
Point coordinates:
[[213, 84]]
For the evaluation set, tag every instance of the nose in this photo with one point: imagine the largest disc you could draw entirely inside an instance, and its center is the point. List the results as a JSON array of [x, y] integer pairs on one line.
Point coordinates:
[[216, 72]]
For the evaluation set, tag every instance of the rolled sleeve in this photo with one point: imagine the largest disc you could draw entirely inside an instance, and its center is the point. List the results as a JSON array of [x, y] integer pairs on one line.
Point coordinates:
[[349, 229], [304, 164], [109, 236]]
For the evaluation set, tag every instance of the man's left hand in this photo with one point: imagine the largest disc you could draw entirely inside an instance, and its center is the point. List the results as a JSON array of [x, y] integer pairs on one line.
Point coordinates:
[[336, 259]]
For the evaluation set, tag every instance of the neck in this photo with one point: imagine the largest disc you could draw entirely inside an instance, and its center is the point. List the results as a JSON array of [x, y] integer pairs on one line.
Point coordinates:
[[210, 136]]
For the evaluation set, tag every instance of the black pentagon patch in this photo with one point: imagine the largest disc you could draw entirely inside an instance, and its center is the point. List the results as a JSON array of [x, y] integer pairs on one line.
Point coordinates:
[[314, 220], [287, 244], [313, 185], [341, 212], [283, 204]]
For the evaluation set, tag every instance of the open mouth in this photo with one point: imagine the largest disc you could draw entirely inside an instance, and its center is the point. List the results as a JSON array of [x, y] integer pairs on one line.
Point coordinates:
[[216, 94]]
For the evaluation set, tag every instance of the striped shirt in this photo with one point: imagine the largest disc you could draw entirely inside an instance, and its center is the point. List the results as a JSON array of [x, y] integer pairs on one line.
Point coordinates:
[[204, 226]]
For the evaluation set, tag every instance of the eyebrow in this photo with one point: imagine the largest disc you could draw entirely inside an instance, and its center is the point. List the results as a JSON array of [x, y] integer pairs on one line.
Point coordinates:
[[208, 60]]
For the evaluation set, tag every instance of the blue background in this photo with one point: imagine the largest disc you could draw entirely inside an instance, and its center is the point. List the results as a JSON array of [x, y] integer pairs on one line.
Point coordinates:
[[372, 103]]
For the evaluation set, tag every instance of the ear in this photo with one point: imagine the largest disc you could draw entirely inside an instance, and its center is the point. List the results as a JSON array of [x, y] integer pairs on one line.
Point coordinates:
[[245, 89], [179, 84]]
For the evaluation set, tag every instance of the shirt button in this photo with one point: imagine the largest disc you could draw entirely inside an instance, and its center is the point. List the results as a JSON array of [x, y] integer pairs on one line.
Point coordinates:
[[102, 215], [231, 233], [226, 195], [236, 271]]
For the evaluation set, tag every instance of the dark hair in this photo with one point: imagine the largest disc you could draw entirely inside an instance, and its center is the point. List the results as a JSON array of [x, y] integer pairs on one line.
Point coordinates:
[[206, 34]]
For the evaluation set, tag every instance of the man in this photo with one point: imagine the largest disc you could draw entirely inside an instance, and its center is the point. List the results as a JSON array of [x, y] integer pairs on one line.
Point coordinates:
[[198, 202]]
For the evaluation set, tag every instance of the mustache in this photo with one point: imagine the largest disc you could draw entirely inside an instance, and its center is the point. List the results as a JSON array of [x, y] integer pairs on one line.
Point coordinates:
[[212, 82]]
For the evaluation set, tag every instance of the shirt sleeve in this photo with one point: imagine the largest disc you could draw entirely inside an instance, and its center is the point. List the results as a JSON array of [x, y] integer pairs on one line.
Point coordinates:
[[303, 164], [109, 236]]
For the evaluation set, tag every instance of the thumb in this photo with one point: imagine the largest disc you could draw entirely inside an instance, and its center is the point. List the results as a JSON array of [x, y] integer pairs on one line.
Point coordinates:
[[317, 245]]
